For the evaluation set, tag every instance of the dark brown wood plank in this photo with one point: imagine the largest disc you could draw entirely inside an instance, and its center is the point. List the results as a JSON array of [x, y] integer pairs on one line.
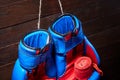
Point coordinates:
[[8, 54], [6, 71], [109, 36], [28, 10], [52, 7], [14, 34], [17, 13], [7, 2], [99, 24], [109, 52], [107, 7]]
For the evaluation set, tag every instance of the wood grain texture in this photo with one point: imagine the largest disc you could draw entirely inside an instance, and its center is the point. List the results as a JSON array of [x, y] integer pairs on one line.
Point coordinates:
[[7, 2], [17, 13], [26, 10], [106, 37], [6, 71], [100, 24], [9, 54]]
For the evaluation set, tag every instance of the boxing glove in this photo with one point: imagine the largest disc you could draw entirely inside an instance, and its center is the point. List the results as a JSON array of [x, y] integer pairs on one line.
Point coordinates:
[[35, 60], [69, 44]]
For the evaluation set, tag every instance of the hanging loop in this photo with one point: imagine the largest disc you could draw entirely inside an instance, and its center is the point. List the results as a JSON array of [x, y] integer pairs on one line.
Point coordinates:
[[40, 5], [61, 7], [39, 15]]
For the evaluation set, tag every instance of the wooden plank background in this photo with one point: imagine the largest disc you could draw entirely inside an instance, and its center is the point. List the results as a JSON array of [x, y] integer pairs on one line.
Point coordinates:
[[100, 19]]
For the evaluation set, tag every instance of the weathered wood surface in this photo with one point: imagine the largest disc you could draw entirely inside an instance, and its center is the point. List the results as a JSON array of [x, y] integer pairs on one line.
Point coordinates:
[[101, 24], [25, 10]]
